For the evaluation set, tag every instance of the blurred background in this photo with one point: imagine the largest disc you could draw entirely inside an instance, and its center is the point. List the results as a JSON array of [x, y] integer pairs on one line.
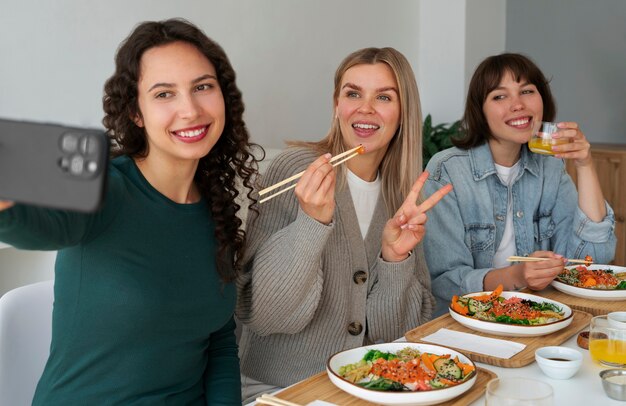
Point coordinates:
[[56, 55]]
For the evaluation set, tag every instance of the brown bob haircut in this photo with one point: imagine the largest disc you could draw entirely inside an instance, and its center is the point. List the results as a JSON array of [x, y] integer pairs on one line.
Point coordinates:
[[486, 78]]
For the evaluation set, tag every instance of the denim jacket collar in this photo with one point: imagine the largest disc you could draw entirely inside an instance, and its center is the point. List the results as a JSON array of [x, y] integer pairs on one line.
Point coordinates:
[[482, 163]]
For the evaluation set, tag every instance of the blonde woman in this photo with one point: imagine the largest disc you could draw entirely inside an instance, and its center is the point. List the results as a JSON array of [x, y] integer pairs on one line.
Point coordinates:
[[337, 264]]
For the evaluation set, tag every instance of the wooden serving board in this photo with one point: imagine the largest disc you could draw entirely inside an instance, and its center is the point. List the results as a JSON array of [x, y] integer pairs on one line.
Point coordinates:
[[524, 357], [319, 387], [595, 307]]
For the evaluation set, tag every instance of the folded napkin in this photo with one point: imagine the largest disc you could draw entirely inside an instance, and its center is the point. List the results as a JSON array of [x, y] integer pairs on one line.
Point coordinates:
[[478, 344]]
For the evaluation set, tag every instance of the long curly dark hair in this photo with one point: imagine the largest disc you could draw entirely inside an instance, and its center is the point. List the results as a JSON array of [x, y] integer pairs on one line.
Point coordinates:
[[229, 163]]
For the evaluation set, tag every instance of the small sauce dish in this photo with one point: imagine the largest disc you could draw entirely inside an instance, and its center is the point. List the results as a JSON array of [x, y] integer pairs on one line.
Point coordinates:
[[583, 340], [614, 383], [558, 362]]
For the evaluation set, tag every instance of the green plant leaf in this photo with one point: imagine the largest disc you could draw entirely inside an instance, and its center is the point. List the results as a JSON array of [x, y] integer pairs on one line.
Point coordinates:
[[437, 138]]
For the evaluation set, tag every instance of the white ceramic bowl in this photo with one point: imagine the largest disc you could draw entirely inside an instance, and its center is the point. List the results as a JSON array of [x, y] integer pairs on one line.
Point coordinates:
[[514, 330], [558, 362], [596, 294], [617, 320], [431, 397]]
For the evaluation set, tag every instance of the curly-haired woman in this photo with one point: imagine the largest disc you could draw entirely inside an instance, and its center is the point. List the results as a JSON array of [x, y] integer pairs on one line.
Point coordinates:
[[144, 293]]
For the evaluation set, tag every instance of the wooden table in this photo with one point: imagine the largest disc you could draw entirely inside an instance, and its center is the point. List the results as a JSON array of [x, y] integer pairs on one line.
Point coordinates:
[[585, 388], [580, 321], [319, 387]]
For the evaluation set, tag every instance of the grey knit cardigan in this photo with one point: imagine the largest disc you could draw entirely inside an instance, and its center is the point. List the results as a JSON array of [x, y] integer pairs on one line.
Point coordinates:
[[300, 299]]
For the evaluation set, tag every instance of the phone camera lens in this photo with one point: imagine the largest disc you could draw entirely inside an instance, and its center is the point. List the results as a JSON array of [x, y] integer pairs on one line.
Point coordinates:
[[64, 163], [88, 145], [76, 165], [69, 142]]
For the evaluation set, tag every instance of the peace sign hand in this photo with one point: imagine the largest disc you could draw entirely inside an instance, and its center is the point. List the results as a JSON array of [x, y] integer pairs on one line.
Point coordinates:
[[408, 226]]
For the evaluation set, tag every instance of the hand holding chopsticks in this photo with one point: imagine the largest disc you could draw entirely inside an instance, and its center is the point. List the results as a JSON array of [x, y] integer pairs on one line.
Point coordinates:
[[336, 160], [586, 261]]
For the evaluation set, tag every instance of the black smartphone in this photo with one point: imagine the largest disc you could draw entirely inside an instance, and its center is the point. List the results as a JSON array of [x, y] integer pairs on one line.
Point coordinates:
[[52, 165]]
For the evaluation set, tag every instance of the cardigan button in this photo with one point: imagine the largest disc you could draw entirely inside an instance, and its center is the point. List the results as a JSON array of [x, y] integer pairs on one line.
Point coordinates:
[[359, 277], [355, 328]]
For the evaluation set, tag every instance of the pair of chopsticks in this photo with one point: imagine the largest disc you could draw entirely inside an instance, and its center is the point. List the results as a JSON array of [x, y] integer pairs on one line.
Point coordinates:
[[336, 160], [274, 401], [535, 259]]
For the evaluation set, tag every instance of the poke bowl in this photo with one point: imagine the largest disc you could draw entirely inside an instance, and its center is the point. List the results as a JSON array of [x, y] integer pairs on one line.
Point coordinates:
[[597, 282], [513, 314], [402, 373]]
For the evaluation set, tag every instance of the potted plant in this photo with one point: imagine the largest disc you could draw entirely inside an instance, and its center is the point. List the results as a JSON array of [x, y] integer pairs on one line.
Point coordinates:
[[437, 138]]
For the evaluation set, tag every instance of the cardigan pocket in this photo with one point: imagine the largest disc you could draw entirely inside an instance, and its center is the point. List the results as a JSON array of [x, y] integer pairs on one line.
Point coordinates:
[[480, 237]]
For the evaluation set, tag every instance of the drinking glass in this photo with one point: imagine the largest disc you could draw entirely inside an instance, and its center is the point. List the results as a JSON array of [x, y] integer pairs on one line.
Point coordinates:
[[518, 392], [617, 320], [542, 139], [607, 345]]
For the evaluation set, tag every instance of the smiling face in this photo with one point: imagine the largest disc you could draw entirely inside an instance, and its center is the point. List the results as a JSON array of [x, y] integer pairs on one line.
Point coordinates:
[[510, 110], [368, 107], [181, 103]]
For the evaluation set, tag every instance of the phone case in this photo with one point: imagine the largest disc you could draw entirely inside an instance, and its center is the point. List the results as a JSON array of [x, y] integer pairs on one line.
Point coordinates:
[[52, 165]]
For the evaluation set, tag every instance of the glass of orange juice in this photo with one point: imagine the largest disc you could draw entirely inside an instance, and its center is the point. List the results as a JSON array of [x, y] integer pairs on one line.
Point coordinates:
[[542, 139], [607, 344]]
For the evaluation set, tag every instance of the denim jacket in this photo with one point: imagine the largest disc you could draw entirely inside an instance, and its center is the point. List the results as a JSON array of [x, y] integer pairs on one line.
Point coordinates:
[[464, 229]]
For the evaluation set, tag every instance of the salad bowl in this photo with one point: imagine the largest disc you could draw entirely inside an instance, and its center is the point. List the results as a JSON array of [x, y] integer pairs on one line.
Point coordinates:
[[514, 330], [419, 397], [592, 292]]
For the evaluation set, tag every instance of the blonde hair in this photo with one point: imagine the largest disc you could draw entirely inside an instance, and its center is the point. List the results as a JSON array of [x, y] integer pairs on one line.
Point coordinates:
[[403, 160]]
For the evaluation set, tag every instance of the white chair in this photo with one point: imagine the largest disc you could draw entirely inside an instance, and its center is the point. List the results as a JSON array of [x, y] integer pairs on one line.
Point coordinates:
[[25, 334]]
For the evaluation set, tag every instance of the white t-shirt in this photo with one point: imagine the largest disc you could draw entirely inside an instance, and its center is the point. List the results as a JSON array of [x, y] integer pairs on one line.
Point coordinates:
[[364, 196], [507, 245]]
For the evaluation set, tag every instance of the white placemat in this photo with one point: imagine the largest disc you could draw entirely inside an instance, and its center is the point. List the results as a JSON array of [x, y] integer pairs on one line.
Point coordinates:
[[478, 344]]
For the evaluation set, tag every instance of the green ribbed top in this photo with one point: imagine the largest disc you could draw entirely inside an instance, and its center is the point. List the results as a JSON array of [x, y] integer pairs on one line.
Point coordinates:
[[140, 314]]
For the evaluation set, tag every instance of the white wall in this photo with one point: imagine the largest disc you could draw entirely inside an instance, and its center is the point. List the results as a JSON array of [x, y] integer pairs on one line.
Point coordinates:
[[442, 58], [56, 55], [484, 33], [581, 45], [285, 53], [454, 36]]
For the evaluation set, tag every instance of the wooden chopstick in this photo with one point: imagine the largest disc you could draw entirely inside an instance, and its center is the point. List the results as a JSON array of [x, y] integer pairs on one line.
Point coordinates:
[[336, 160], [580, 261], [294, 185], [274, 401], [525, 259], [299, 174], [535, 259]]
